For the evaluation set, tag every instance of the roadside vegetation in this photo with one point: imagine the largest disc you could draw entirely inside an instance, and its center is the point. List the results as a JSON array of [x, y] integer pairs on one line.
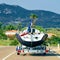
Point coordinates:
[[7, 41], [55, 39], [4, 40]]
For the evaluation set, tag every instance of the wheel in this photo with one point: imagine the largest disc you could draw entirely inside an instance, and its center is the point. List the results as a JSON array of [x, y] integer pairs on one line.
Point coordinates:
[[18, 53], [44, 53]]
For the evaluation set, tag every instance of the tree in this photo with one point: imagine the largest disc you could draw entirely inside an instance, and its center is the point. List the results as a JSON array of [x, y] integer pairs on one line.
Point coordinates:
[[19, 26], [33, 17], [10, 27], [2, 35], [0, 25]]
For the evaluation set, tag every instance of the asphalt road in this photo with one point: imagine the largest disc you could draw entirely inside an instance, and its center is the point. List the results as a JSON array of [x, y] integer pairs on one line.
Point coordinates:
[[9, 53], [5, 51]]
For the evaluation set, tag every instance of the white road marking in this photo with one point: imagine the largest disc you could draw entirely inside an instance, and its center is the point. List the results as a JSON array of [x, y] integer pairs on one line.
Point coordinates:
[[4, 46], [9, 55]]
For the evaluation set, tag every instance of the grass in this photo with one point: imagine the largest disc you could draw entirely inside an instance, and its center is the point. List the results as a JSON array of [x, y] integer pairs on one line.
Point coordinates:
[[5, 42], [54, 31]]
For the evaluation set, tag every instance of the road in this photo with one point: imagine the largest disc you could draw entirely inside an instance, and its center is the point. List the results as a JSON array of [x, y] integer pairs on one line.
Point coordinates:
[[4, 51], [9, 53]]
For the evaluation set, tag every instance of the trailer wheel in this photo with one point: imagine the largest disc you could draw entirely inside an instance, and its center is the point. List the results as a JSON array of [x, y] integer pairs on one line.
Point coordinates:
[[18, 53], [44, 53]]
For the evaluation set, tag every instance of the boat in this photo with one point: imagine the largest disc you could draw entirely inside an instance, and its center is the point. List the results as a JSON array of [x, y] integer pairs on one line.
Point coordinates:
[[31, 37]]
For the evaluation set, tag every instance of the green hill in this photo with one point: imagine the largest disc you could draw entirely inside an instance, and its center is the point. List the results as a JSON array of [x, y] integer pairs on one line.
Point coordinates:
[[15, 14]]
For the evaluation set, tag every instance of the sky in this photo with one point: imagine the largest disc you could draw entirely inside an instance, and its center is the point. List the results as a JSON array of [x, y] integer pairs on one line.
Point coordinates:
[[48, 5]]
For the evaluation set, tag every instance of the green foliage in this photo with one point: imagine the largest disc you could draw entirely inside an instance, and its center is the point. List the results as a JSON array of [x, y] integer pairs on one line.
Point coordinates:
[[19, 26], [37, 27], [14, 42], [5, 42], [40, 28], [33, 16], [2, 35], [10, 27], [23, 28], [53, 40], [19, 12], [0, 25], [54, 31]]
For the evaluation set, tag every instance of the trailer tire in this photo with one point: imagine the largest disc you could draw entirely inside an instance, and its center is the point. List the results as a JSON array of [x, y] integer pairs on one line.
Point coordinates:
[[44, 53], [18, 53]]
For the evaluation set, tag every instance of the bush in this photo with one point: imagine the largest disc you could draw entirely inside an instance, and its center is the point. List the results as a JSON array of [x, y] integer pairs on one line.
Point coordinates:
[[2, 35], [40, 28], [53, 40], [14, 42]]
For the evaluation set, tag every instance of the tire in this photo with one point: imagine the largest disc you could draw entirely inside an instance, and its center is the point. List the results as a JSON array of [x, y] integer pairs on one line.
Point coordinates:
[[18, 53], [44, 53]]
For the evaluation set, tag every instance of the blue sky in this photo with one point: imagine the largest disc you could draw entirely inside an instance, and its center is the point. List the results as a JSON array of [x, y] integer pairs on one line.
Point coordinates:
[[49, 5]]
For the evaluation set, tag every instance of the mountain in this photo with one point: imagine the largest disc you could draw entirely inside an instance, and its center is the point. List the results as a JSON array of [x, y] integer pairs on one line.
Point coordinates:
[[15, 14]]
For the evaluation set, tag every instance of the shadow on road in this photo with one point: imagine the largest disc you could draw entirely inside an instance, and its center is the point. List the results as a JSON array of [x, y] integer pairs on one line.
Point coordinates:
[[51, 53], [45, 55]]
